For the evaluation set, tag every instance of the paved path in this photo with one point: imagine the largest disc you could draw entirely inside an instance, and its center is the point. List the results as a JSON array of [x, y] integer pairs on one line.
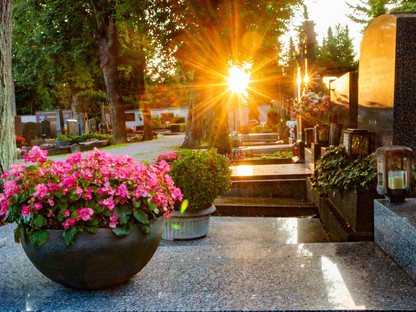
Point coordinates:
[[243, 264], [144, 151]]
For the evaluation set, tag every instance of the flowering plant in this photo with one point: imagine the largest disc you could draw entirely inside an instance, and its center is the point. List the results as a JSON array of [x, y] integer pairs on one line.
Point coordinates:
[[313, 106], [169, 156], [20, 140], [84, 193]]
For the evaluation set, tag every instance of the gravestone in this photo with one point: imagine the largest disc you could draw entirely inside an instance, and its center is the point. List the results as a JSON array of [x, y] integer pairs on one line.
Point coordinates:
[[387, 79], [53, 130], [72, 127], [18, 126], [29, 131], [46, 128], [92, 125]]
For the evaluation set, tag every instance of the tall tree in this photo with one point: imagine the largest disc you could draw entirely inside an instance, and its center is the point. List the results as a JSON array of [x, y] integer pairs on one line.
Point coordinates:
[[218, 32], [7, 139], [336, 56], [368, 10]]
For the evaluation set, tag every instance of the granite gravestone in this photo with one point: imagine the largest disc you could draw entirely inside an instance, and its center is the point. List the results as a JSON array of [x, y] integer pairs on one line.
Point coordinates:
[[387, 79], [92, 125], [53, 130], [29, 131], [18, 126], [72, 127], [46, 128]]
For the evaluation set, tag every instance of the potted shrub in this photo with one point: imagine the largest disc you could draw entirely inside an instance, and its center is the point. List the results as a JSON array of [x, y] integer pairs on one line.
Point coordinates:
[[92, 221], [201, 176]]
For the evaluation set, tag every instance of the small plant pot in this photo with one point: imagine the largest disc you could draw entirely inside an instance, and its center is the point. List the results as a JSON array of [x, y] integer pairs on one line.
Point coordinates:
[[188, 225]]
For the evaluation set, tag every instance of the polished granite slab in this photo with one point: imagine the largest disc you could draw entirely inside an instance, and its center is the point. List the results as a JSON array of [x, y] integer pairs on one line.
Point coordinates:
[[395, 231], [243, 264], [270, 171]]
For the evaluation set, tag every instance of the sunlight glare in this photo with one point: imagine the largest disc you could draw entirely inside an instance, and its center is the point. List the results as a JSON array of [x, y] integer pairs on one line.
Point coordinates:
[[239, 79]]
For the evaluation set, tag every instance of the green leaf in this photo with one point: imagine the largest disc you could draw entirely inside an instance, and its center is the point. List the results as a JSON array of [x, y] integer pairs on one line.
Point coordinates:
[[59, 193], [15, 198], [91, 229], [17, 233], [136, 204], [62, 205], [73, 196], [141, 216], [70, 235], [23, 197], [152, 205], [145, 228], [93, 222], [99, 208], [39, 237], [122, 231], [107, 213], [123, 210], [39, 221], [32, 168]]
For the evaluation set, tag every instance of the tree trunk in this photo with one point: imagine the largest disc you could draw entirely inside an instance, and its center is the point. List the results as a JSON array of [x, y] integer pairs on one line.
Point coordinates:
[[193, 134], [106, 37], [7, 138]]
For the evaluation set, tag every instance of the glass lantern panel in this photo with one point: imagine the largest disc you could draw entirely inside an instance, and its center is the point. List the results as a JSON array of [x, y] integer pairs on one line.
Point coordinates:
[[380, 177], [359, 144], [397, 173]]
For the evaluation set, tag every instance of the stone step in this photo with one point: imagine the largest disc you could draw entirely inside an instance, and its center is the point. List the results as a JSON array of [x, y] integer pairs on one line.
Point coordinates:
[[264, 207], [281, 180]]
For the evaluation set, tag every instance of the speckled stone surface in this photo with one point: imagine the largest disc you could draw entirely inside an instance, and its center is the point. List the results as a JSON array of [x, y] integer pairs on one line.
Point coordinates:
[[395, 231], [243, 264]]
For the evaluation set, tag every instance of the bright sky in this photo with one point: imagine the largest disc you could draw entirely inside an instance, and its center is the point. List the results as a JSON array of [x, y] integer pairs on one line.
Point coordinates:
[[327, 13]]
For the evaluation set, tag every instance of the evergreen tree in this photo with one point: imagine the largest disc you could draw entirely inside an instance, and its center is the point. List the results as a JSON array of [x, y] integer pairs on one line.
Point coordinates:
[[336, 55]]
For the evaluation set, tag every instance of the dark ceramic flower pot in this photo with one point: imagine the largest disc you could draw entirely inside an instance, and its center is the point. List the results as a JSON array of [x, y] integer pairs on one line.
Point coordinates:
[[97, 260]]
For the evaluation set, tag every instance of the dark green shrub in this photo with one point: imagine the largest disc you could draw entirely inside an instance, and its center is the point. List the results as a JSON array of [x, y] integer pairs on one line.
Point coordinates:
[[201, 176], [179, 120], [337, 170], [273, 118], [178, 127], [221, 141], [88, 136]]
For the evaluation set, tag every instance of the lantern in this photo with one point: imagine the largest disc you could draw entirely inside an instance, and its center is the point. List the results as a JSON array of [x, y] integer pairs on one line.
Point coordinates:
[[309, 136], [394, 172], [357, 141], [321, 134]]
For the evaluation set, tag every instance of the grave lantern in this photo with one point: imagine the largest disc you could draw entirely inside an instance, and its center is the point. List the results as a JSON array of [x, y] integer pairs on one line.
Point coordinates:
[[321, 134], [357, 141], [394, 172]]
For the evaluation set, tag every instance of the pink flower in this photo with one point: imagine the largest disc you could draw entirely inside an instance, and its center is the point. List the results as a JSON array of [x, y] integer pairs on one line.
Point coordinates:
[[113, 220], [79, 191], [85, 213], [38, 206], [50, 214], [25, 211], [88, 193], [68, 223], [36, 155], [41, 191], [50, 202], [108, 203], [66, 213]]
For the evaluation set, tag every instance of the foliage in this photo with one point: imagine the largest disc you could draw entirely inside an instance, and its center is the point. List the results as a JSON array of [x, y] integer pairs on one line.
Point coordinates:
[[337, 170], [366, 11], [90, 102], [262, 128], [178, 127], [201, 177], [221, 140], [88, 136], [62, 137], [85, 193], [273, 118], [336, 56]]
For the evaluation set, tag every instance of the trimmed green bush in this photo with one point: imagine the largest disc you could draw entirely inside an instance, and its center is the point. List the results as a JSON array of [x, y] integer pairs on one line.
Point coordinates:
[[178, 127], [221, 141], [201, 176]]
